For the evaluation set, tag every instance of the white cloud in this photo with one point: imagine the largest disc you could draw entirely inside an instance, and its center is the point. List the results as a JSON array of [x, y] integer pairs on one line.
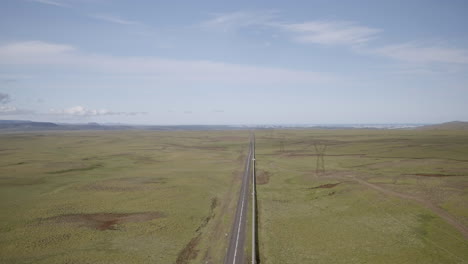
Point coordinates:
[[51, 2], [79, 111], [44, 54], [11, 110], [114, 19], [82, 111], [330, 32], [418, 53]]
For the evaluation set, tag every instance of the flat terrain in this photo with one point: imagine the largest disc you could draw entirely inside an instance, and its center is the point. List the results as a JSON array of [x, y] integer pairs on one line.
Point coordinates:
[[118, 197], [324, 196], [362, 196]]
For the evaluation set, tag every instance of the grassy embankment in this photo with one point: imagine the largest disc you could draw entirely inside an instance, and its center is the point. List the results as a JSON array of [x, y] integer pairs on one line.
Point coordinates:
[[118, 197], [384, 197]]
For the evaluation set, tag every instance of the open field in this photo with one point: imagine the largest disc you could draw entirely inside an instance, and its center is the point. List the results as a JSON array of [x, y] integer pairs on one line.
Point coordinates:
[[374, 196], [118, 197], [378, 196]]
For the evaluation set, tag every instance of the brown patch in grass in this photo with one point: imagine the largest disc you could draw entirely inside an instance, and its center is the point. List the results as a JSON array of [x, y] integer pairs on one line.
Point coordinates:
[[78, 169], [142, 180], [104, 221], [263, 177], [12, 181], [328, 155], [432, 175], [216, 148], [124, 184], [145, 160], [326, 186], [230, 138], [189, 252], [63, 165], [227, 207], [214, 203], [107, 188], [280, 201]]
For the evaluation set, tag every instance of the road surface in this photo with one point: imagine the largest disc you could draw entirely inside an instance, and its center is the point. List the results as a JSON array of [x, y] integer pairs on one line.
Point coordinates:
[[235, 250]]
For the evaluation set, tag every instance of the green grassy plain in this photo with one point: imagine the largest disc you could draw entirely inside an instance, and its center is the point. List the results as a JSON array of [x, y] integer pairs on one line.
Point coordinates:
[[385, 196], [118, 197], [382, 197]]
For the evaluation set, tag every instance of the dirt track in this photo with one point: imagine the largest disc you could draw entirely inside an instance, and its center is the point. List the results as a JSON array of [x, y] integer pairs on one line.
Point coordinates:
[[434, 208]]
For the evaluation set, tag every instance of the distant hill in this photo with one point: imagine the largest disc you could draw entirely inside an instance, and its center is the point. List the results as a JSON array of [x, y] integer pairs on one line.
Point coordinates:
[[26, 125], [454, 125]]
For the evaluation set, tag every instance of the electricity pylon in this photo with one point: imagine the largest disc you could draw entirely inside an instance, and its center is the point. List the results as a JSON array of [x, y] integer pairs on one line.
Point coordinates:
[[320, 165]]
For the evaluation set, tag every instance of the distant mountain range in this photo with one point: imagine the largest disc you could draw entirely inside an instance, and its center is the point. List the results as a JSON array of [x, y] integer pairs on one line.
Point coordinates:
[[25, 125]]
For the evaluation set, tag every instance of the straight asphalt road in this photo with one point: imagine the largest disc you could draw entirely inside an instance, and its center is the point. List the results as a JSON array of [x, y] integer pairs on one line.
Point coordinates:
[[235, 250]]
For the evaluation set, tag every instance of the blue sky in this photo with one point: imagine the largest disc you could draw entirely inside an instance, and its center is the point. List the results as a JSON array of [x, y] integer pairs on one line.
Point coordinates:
[[234, 62]]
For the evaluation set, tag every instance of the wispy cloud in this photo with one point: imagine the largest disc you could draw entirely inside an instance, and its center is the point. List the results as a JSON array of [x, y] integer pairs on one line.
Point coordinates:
[[319, 32], [114, 19], [51, 2], [330, 32], [240, 19], [100, 16], [338, 32], [425, 54], [29, 51], [83, 111], [45, 54]]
